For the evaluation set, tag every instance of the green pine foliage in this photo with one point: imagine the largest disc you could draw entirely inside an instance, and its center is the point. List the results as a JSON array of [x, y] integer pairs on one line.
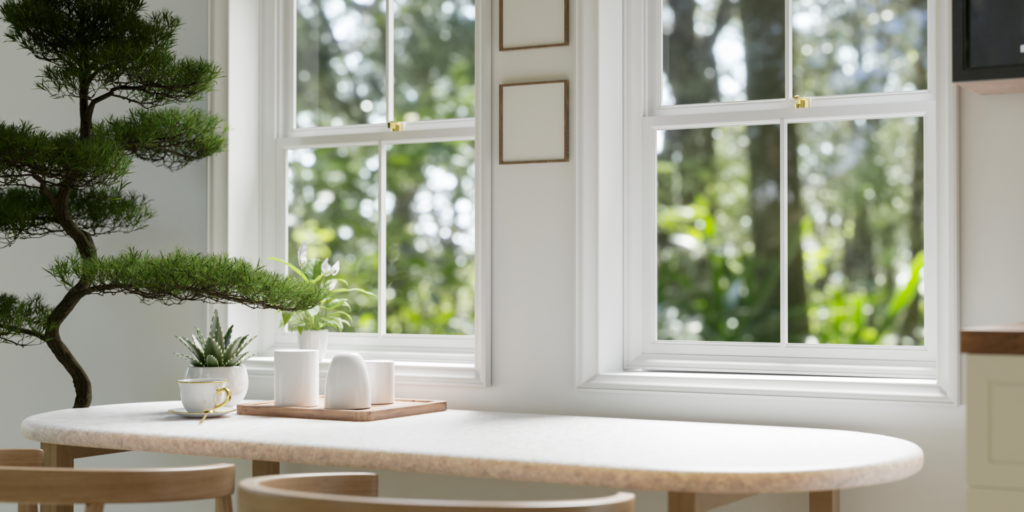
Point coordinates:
[[25, 213], [169, 137], [182, 276], [29, 153], [74, 183], [217, 349], [24, 320], [109, 48]]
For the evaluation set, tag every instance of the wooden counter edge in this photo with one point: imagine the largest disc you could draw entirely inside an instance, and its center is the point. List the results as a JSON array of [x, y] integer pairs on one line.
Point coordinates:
[[994, 339]]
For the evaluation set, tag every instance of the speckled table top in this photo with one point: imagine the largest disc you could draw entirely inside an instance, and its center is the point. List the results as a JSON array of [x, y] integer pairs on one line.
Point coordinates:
[[601, 452]]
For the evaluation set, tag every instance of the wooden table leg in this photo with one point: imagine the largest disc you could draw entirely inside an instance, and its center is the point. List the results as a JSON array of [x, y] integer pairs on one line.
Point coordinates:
[[57, 456], [61, 456], [693, 502], [263, 467], [827, 501]]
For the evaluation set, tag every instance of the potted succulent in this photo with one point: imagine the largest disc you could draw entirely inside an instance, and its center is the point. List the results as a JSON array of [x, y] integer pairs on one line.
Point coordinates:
[[312, 324], [217, 356]]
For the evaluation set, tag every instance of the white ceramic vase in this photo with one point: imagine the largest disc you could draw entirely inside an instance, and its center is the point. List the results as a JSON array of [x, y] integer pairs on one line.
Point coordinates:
[[314, 340], [237, 377], [348, 383]]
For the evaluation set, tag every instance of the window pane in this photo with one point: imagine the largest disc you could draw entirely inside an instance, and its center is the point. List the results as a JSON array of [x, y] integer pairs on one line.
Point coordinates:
[[858, 218], [340, 69], [718, 234], [434, 63], [723, 50], [430, 238], [846, 47], [332, 206]]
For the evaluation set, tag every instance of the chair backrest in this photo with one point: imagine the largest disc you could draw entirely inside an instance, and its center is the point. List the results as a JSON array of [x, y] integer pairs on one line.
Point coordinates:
[[326, 492], [66, 485], [32, 458]]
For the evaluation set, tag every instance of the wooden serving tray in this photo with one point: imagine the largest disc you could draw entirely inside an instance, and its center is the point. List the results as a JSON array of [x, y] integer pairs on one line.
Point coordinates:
[[401, 407]]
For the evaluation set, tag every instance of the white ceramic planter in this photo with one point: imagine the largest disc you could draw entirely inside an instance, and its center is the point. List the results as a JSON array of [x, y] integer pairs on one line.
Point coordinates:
[[314, 340], [237, 377]]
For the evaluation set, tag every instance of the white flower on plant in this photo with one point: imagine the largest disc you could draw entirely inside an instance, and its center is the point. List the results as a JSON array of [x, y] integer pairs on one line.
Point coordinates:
[[325, 268], [336, 268], [302, 254], [332, 284]]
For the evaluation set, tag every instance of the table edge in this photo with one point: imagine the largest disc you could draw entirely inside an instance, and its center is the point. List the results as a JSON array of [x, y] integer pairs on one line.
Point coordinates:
[[639, 479]]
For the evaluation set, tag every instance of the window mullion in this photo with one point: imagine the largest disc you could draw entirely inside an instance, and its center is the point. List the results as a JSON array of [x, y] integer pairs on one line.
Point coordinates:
[[382, 176], [784, 231], [789, 49], [389, 64], [382, 239]]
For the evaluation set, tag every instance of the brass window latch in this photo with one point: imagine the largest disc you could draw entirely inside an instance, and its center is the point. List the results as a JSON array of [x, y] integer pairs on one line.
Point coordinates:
[[395, 126], [802, 102]]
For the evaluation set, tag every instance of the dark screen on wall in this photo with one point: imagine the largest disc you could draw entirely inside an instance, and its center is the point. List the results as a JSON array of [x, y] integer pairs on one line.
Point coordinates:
[[995, 33]]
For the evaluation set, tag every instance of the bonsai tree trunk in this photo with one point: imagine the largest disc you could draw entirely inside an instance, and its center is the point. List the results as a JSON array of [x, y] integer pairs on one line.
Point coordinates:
[[83, 386]]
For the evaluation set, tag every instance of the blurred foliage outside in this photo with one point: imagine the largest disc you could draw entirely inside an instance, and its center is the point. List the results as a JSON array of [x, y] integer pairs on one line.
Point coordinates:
[[855, 188], [333, 192]]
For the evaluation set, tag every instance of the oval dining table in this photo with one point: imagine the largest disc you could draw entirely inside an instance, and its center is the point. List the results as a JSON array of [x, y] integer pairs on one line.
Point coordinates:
[[701, 465]]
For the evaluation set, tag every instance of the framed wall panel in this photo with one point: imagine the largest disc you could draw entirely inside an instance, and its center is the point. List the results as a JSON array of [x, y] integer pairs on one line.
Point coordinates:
[[533, 124], [528, 24]]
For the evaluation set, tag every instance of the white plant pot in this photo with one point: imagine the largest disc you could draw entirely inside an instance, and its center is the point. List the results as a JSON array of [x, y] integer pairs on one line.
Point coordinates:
[[314, 340], [237, 377]]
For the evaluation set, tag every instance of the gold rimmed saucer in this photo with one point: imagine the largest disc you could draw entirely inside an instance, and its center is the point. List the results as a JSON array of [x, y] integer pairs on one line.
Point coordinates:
[[180, 411]]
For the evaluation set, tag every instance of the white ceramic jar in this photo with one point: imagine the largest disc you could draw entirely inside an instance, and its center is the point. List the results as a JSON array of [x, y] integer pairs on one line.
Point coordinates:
[[382, 382], [348, 383], [296, 378], [237, 377]]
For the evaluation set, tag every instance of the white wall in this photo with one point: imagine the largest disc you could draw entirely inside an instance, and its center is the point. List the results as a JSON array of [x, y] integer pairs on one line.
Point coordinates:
[[126, 346]]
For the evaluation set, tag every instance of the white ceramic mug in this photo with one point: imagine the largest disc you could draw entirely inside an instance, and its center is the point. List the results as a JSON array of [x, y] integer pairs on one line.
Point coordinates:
[[200, 395], [382, 381], [297, 378]]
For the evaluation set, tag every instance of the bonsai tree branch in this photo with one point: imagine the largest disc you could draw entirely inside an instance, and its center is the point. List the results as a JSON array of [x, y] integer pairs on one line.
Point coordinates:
[[170, 137], [27, 213], [186, 276], [23, 322]]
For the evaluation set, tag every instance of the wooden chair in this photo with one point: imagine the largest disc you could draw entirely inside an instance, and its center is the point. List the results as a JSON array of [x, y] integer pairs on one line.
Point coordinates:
[[23, 459], [357, 492], [23, 481]]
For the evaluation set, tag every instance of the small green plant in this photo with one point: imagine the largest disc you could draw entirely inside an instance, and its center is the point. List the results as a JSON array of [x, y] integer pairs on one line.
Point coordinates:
[[332, 310], [217, 349]]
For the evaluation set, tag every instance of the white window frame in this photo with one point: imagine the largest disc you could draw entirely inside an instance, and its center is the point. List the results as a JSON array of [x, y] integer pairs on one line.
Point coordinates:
[[617, 344], [254, 42]]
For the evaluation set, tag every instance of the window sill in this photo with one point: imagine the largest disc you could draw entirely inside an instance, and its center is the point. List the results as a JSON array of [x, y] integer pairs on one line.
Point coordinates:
[[911, 390], [406, 372]]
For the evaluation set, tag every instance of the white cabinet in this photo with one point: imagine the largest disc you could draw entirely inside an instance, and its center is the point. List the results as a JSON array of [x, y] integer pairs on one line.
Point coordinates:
[[995, 432]]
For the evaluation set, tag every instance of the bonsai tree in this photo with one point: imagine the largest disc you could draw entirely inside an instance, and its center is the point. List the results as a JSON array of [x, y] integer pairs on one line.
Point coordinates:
[[74, 183]]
